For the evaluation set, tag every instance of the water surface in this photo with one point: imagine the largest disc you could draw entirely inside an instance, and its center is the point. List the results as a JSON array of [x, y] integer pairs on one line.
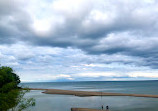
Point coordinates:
[[49, 102]]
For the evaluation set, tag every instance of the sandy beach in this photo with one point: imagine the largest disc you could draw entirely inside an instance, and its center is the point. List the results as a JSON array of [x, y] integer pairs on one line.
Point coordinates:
[[90, 93]]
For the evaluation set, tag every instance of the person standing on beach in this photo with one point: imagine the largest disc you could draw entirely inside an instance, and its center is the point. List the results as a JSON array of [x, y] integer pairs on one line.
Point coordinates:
[[107, 108], [102, 107]]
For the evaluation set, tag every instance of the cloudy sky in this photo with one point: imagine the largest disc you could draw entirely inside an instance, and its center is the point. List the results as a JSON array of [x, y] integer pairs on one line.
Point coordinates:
[[80, 40]]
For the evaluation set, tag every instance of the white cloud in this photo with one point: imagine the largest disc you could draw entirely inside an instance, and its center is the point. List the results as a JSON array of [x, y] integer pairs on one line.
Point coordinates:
[[98, 74], [46, 77], [55, 77], [47, 63], [146, 74]]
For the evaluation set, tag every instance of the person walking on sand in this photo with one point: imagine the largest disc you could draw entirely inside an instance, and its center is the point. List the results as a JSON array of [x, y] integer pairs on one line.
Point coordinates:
[[107, 108]]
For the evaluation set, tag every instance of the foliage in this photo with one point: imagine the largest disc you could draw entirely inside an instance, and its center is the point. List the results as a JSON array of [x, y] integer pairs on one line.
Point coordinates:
[[23, 103], [11, 96]]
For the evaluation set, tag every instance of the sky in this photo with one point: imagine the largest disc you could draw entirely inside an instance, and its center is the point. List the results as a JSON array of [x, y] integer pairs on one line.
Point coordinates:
[[80, 40]]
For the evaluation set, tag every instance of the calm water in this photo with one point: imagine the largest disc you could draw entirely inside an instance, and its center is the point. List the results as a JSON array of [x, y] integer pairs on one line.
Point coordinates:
[[48, 102]]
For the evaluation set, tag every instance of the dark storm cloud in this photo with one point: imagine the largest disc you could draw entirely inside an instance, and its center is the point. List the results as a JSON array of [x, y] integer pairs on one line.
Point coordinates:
[[14, 21]]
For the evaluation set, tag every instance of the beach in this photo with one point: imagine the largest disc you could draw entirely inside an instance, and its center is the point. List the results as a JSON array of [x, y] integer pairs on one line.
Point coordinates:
[[90, 93]]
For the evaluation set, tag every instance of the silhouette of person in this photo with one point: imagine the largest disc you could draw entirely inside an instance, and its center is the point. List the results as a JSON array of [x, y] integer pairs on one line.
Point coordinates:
[[107, 108], [102, 107]]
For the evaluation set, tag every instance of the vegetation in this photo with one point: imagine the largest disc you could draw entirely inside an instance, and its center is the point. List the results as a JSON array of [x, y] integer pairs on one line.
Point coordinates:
[[12, 96]]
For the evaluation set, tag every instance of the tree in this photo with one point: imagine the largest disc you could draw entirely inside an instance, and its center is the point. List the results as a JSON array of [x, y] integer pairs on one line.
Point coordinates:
[[12, 96]]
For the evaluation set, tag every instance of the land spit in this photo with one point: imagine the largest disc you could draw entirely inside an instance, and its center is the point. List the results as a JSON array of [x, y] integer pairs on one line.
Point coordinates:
[[90, 93], [85, 109]]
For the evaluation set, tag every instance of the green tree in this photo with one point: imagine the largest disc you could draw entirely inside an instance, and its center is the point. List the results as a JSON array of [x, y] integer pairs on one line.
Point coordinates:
[[12, 96]]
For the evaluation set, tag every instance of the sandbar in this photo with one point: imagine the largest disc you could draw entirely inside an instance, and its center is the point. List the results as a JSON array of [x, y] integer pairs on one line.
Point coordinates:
[[90, 93], [85, 109]]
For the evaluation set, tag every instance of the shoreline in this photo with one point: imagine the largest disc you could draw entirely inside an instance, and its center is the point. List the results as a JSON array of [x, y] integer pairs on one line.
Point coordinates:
[[90, 93], [85, 109]]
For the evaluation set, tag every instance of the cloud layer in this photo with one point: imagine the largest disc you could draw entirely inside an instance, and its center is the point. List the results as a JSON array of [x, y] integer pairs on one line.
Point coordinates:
[[80, 37]]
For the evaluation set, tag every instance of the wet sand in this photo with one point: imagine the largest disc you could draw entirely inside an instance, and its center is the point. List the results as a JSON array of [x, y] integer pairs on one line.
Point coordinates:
[[90, 93]]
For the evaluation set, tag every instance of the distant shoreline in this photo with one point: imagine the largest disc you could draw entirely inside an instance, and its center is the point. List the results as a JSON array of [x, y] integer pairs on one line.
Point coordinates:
[[146, 80], [90, 93]]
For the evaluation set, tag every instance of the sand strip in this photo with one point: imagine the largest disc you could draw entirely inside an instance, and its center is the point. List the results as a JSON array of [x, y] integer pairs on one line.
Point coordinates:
[[89, 93], [85, 109]]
